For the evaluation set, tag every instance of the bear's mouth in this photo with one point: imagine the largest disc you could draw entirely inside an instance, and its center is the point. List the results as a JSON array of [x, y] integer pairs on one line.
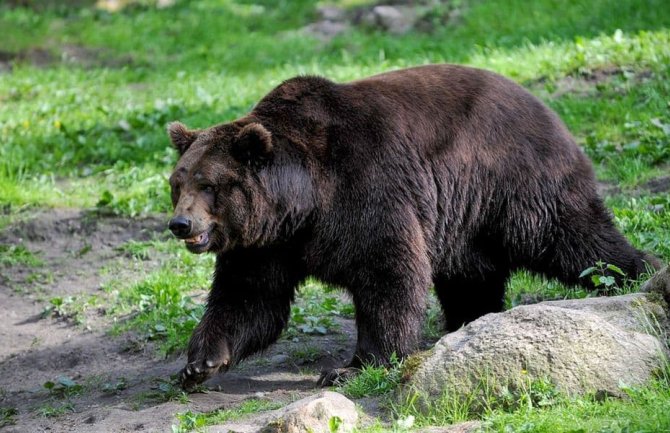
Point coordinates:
[[198, 243]]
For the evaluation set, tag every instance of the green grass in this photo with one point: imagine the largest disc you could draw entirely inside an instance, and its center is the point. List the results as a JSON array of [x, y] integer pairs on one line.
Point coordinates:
[[12, 255], [644, 410], [315, 310], [373, 380], [54, 410], [7, 415], [537, 406], [92, 135], [189, 421], [160, 307]]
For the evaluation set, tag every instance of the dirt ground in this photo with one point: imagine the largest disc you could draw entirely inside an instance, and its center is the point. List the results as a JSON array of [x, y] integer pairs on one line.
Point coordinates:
[[124, 386]]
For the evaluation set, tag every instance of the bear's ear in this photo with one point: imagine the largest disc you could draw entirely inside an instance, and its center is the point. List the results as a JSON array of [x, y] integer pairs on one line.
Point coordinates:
[[181, 136], [253, 144]]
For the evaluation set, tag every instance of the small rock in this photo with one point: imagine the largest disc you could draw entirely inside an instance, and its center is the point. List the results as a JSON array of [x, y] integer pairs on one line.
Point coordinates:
[[394, 19], [279, 359], [312, 414]]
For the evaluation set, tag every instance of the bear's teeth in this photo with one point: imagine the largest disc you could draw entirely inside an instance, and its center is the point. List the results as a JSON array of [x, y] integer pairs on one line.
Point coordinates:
[[194, 240]]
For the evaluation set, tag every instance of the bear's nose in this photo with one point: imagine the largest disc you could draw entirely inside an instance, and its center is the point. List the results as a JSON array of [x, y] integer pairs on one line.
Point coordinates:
[[180, 226]]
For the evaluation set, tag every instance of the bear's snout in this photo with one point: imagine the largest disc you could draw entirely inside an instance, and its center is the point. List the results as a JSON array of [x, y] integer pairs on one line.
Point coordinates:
[[180, 226]]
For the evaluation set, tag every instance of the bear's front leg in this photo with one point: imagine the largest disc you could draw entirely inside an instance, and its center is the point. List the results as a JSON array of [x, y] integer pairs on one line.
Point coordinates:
[[247, 309], [209, 352]]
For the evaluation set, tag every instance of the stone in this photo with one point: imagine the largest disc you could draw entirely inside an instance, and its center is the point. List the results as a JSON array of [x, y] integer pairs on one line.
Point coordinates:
[[659, 284], [279, 359], [394, 19], [581, 346], [326, 29], [330, 13], [313, 414]]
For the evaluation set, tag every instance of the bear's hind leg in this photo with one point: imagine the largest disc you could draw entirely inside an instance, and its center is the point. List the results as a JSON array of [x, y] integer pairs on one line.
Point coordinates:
[[390, 306], [465, 298]]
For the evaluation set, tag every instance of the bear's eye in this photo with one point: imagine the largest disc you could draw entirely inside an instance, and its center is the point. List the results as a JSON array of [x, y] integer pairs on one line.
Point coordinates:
[[207, 188]]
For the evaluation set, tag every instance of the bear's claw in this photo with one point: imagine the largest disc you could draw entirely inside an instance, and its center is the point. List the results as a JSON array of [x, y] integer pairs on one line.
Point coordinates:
[[194, 373], [204, 362]]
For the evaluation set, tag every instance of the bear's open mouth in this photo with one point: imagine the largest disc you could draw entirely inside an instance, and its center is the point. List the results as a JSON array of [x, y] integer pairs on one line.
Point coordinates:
[[198, 243]]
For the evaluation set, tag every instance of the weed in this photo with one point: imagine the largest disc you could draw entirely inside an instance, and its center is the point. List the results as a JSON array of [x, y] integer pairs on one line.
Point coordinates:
[[602, 276], [69, 308], [115, 386], [7, 415], [163, 391], [64, 387]]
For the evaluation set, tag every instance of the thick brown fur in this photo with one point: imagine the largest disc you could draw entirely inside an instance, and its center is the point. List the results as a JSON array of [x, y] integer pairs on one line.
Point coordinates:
[[441, 176]]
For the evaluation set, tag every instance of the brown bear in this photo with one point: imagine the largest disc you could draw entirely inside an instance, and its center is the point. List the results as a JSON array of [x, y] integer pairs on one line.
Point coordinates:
[[440, 175]]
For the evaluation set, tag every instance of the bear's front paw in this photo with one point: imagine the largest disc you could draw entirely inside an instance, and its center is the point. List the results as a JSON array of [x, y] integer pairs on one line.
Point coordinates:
[[336, 376], [204, 360]]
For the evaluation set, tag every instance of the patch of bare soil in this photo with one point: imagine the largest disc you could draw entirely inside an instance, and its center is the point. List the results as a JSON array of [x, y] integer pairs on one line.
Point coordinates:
[[121, 390], [658, 185], [70, 54], [47, 4], [589, 83]]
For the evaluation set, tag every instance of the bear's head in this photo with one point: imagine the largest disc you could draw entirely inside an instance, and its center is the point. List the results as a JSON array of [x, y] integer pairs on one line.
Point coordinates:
[[232, 188]]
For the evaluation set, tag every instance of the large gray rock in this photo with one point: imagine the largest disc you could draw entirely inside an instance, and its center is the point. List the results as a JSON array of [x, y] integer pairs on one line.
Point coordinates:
[[589, 345], [313, 414]]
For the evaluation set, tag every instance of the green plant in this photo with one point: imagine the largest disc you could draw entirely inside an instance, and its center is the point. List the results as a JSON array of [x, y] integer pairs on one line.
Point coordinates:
[[69, 307], [162, 391], [334, 424], [63, 387], [115, 386], [601, 275]]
